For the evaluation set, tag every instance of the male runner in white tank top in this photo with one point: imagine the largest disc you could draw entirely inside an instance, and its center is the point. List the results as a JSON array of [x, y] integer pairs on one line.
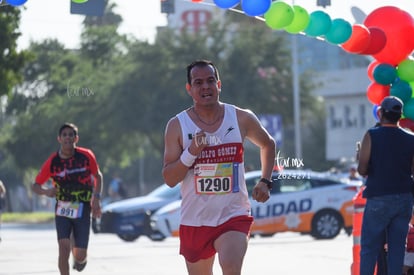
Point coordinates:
[[204, 151]]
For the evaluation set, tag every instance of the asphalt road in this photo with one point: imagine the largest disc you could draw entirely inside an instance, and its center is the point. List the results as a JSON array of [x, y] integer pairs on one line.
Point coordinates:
[[32, 250]]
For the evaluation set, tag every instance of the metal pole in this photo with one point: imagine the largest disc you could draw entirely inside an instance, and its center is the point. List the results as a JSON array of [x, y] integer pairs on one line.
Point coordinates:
[[141, 176], [296, 97]]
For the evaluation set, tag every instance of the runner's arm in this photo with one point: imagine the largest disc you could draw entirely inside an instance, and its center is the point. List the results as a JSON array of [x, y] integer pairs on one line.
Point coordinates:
[[173, 169], [98, 186], [38, 189], [96, 197], [252, 129]]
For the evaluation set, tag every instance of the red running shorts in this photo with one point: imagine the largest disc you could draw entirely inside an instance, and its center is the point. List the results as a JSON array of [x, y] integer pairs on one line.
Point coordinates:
[[197, 242]]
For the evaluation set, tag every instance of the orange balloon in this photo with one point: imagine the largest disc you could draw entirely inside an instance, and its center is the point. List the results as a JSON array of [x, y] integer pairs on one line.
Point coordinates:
[[358, 41], [376, 92], [377, 41]]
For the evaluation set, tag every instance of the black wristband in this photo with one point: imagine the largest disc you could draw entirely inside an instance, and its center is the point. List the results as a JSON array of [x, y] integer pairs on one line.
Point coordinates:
[[268, 183]]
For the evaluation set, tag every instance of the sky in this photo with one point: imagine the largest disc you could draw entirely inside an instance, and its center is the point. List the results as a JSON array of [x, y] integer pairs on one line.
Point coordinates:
[[52, 19], [43, 19]]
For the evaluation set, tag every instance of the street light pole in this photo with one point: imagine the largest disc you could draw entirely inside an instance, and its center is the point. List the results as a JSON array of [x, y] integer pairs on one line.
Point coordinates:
[[296, 97]]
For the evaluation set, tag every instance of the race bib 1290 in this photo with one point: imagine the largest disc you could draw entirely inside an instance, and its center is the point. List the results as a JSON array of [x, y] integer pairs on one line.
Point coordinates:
[[215, 178]]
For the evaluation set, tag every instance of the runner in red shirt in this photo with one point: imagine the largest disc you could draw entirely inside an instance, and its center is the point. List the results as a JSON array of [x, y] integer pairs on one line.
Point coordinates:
[[77, 186]]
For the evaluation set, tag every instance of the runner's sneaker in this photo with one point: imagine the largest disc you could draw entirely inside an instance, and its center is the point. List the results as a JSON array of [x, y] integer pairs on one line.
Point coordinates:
[[79, 266]]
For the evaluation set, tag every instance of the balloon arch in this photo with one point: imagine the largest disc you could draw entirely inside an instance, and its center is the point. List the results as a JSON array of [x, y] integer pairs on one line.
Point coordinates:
[[387, 34]]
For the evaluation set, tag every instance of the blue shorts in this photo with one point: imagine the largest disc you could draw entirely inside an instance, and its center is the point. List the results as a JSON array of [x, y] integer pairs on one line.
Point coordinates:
[[79, 226]]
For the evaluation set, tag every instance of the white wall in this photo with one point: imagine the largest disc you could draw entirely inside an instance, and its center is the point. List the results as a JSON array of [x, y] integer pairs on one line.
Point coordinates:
[[349, 113], [193, 16]]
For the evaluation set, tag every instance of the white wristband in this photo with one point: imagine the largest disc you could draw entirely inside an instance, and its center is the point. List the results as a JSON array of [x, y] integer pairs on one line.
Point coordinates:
[[187, 158]]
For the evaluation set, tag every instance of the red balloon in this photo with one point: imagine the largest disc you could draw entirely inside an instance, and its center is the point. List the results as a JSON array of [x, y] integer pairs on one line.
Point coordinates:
[[407, 123], [377, 41], [398, 26], [411, 38], [376, 92], [358, 41], [371, 68]]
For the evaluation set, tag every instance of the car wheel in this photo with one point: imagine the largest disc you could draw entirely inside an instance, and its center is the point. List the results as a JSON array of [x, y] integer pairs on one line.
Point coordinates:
[[157, 236], [128, 237], [348, 230], [95, 226], [326, 224], [267, 235]]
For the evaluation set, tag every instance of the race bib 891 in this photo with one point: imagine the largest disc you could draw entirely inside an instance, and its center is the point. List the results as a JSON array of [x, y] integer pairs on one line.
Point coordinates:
[[69, 209]]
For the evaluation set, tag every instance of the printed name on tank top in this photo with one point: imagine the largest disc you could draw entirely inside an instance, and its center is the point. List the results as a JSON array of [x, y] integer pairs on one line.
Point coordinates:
[[229, 152]]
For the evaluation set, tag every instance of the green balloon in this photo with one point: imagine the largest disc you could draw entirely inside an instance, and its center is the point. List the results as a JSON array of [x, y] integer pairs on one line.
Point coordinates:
[[79, 1], [339, 32], [319, 23], [405, 70], [300, 20], [279, 15]]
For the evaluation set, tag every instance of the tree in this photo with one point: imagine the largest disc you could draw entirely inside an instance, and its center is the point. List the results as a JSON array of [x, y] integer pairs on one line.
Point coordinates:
[[121, 92], [100, 40], [11, 61]]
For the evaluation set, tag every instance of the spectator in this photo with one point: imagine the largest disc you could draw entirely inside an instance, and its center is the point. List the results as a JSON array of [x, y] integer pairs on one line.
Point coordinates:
[[116, 189], [386, 158], [353, 174]]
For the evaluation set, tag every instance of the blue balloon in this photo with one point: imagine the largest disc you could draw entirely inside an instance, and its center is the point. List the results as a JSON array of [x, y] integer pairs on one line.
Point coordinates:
[[374, 112], [16, 3], [226, 4], [255, 7]]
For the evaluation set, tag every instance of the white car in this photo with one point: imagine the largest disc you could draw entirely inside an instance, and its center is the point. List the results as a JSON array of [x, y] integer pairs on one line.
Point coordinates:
[[301, 201]]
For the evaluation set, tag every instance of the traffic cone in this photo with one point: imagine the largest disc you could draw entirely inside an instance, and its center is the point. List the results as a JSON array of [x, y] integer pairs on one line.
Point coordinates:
[[359, 206]]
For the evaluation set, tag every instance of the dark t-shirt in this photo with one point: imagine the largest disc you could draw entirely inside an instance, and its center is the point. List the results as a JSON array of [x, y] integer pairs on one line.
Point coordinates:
[[73, 177]]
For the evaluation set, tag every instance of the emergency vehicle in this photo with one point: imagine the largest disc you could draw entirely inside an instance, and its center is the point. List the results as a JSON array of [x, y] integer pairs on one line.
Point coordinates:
[[300, 201]]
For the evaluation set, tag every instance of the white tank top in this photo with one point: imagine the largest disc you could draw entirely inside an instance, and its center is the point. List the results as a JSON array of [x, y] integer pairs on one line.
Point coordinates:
[[217, 191]]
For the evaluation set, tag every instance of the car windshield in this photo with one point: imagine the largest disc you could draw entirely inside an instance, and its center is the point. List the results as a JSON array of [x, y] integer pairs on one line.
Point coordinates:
[[165, 192]]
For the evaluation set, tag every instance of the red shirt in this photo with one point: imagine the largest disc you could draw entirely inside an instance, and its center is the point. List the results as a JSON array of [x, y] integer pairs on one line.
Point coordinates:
[[73, 177]]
